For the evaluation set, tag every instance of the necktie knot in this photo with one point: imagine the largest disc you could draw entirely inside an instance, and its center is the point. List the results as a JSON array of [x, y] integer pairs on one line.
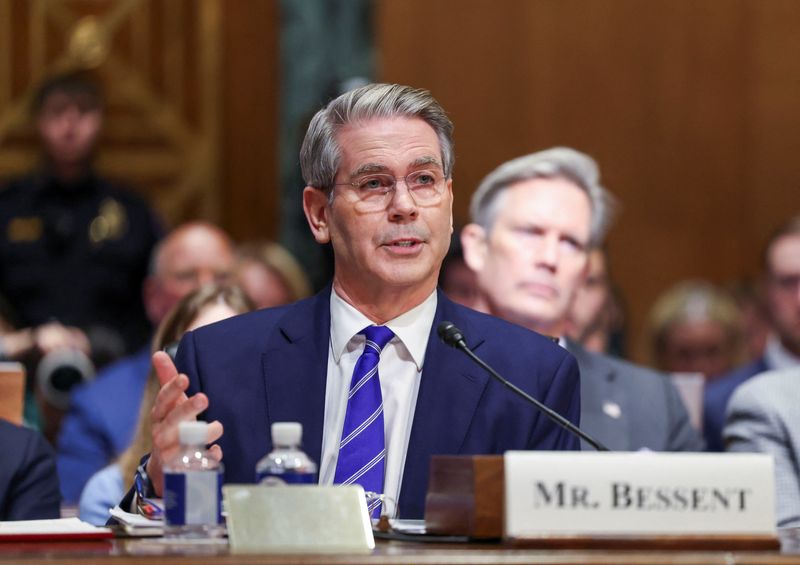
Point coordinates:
[[377, 337]]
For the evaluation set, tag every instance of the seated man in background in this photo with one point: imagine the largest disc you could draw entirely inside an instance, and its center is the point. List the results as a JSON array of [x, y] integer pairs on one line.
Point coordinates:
[[596, 319], [457, 281], [28, 480], [378, 164], [102, 416], [781, 280], [764, 417], [74, 246], [535, 220]]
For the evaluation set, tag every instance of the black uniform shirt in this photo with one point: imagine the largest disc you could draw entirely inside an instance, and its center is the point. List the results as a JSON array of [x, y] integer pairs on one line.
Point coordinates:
[[77, 254]]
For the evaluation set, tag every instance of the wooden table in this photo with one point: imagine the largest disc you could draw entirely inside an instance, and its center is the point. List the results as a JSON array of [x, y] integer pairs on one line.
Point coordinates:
[[152, 551]]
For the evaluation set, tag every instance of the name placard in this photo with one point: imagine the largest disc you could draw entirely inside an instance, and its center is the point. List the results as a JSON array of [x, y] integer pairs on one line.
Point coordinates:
[[644, 493]]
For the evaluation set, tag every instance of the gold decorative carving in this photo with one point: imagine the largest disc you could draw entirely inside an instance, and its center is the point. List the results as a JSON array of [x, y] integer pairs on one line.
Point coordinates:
[[87, 44]]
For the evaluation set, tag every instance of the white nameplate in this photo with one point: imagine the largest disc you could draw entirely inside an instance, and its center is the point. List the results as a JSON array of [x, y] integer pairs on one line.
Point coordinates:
[[297, 519], [558, 493]]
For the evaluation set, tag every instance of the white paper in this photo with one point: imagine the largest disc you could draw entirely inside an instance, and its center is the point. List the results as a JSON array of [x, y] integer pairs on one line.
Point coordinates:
[[50, 527]]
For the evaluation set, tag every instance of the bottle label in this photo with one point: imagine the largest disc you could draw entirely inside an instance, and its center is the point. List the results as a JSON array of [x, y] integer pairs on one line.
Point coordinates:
[[193, 497], [277, 479]]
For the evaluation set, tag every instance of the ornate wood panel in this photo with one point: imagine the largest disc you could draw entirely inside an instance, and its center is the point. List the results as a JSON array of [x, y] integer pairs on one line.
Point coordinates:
[[689, 107], [158, 62]]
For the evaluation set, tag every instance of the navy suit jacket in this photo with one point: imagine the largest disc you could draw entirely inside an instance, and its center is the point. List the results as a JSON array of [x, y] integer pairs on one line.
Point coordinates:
[[271, 366], [715, 400], [28, 480]]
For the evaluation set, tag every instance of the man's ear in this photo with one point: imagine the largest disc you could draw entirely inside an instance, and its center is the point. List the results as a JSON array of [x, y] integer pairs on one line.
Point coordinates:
[[475, 246], [450, 193], [315, 206]]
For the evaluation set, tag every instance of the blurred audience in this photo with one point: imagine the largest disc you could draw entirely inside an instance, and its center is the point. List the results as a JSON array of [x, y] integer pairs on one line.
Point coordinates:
[[764, 416], [756, 326], [203, 306], [28, 480], [695, 327], [102, 415], [535, 221], [781, 283], [596, 319], [270, 275], [74, 246], [457, 280]]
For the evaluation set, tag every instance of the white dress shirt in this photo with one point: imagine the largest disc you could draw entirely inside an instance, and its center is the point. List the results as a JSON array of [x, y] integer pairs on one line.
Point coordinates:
[[399, 369]]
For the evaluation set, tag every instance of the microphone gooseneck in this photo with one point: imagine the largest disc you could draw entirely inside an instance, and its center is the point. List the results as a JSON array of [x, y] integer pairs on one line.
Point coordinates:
[[452, 336]]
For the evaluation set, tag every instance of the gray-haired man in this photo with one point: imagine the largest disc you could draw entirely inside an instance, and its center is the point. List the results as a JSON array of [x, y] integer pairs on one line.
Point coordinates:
[[535, 218], [378, 165]]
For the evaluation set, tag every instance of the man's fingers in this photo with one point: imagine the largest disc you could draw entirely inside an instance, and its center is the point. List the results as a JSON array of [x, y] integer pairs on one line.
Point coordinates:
[[165, 431], [165, 368], [215, 452], [214, 432], [171, 394]]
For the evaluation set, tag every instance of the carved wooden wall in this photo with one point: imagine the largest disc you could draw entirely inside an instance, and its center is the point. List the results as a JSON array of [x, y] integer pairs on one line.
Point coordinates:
[[189, 83]]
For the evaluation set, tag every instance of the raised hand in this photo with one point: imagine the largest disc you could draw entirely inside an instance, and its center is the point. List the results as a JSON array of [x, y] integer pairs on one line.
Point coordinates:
[[171, 407]]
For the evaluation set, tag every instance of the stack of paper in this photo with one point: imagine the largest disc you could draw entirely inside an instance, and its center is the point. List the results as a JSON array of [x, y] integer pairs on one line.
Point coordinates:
[[64, 528], [136, 524]]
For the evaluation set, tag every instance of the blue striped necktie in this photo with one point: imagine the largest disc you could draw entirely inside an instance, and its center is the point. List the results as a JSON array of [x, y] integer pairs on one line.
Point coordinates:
[[362, 450]]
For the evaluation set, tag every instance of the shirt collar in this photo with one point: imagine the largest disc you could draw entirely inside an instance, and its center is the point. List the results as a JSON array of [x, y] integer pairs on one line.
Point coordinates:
[[412, 328]]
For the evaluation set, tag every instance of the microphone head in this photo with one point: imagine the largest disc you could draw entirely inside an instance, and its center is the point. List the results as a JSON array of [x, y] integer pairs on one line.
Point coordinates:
[[450, 334]]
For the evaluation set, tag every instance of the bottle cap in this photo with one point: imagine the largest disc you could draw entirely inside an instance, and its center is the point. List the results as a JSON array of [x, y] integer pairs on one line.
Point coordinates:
[[287, 433], [192, 433]]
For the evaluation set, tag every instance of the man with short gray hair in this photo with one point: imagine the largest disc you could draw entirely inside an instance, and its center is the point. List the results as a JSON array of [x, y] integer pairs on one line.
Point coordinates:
[[378, 166], [535, 219]]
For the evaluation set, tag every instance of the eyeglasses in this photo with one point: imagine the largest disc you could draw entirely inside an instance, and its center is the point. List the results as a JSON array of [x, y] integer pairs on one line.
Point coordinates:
[[786, 283], [375, 191]]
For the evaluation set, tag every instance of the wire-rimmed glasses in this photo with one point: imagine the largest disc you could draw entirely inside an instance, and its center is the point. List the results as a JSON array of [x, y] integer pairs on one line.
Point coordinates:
[[375, 190]]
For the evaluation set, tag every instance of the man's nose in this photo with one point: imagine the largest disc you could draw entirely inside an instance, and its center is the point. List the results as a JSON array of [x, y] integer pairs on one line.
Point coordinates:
[[402, 203], [70, 116], [205, 276], [547, 251]]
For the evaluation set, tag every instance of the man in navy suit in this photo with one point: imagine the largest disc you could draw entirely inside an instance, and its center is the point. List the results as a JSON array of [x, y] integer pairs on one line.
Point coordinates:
[[378, 165]]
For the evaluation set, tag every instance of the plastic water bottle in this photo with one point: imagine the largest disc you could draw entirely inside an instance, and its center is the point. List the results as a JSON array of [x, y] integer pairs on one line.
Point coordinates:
[[193, 487], [286, 463]]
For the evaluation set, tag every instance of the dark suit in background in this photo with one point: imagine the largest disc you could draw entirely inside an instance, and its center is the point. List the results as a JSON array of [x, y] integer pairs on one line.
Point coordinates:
[[715, 400], [270, 366], [28, 480]]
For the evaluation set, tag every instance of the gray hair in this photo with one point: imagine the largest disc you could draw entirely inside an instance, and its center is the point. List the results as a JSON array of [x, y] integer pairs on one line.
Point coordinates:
[[558, 162], [320, 154]]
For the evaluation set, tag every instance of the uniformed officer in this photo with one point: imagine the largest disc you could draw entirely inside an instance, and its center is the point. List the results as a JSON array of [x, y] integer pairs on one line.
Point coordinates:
[[74, 247]]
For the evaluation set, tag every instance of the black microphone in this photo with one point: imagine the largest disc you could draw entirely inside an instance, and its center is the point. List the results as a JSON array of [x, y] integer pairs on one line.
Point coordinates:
[[453, 337]]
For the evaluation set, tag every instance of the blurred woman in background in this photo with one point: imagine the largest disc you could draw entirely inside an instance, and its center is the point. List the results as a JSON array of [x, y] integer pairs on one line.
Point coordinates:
[[695, 327], [208, 304]]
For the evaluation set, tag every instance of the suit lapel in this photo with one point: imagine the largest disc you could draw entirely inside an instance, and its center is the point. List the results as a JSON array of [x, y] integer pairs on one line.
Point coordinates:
[[602, 400], [449, 392], [294, 368]]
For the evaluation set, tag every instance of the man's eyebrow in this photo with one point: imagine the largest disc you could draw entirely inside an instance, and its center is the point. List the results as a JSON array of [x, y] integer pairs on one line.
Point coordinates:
[[424, 161], [367, 168]]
